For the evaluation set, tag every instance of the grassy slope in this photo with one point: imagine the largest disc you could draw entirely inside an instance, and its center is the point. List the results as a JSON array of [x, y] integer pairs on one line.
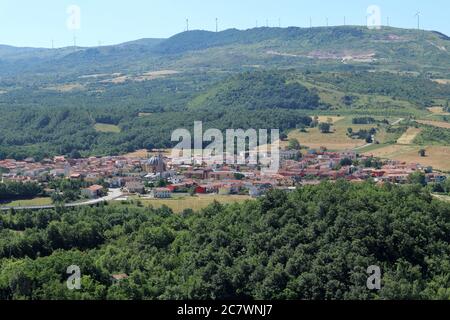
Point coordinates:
[[106, 128], [178, 204]]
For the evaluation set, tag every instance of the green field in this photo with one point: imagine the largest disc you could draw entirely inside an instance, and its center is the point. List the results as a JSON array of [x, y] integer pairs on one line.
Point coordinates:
[[178, 204], [28, 202], [107, 128]]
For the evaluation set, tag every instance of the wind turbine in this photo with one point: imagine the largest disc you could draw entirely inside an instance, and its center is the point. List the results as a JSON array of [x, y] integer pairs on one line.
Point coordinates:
[[418, 19], [217, 25]]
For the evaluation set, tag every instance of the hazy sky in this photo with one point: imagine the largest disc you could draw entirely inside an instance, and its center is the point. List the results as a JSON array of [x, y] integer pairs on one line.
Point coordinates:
[[37, 22]]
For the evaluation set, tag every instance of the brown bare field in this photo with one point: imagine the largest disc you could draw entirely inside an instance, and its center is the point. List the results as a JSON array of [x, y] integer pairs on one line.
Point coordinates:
[[437, 156], [66, 87], [438, 110], [150, 75], [409, 136], [439, 124], [143, 153], [144, 114], [137, 154], [337, 140], [442, 81], [330, 119], [116, 80]]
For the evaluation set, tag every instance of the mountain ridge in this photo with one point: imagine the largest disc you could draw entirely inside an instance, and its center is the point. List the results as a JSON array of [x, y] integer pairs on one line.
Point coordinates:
[[405, 49]]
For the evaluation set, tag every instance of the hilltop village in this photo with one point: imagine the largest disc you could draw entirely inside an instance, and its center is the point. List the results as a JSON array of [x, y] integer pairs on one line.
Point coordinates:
[[159, 177]]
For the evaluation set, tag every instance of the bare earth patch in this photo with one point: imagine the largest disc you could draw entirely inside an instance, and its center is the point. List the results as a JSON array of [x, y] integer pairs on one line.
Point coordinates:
[[330, 119], [409, 136], [345, 55], [144, 114], [442, 81], [438, 110], [144, 153], [66, 87], [146, 76]]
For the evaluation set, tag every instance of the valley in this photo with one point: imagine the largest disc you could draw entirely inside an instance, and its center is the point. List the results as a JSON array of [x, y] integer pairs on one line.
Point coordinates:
[[88, 176]]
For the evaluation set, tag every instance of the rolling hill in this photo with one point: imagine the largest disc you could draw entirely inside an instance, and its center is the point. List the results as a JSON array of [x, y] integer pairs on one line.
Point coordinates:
[[52, 101], [333, 47]]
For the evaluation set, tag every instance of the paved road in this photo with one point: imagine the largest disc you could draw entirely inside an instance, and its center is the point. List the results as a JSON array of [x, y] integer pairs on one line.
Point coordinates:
[[112, 194]]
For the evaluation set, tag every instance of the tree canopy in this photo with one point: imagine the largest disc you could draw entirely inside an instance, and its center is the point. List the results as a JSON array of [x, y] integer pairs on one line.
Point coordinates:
[[314, 243]]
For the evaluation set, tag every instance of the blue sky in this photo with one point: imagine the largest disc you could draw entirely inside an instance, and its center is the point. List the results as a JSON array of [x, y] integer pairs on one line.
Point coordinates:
[[36, 23]]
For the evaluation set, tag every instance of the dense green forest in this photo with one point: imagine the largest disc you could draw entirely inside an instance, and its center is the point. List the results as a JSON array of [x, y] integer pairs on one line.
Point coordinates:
[[314, 243], [19, 190], [45, 123], [257, 91]]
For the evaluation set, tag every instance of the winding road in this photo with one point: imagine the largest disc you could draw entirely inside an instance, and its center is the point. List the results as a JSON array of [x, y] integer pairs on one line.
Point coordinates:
[[112, 194]]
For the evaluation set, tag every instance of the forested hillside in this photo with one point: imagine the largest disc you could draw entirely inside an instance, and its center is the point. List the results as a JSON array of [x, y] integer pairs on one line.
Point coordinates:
[[314, 243], [418, 89], [47, 122], [257, 91]]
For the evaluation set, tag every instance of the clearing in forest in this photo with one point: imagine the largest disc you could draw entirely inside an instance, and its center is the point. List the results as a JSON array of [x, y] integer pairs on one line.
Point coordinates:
[[409, 136]]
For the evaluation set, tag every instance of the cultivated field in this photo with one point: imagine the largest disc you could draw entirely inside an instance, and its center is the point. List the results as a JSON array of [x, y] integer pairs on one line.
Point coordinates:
[[27, 203], [196, 203], [67, 87], [144, 153], [147, 76], [438, 111], [409, 136], [330, 119], [437, 156], [442, 81], [336, 141]]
